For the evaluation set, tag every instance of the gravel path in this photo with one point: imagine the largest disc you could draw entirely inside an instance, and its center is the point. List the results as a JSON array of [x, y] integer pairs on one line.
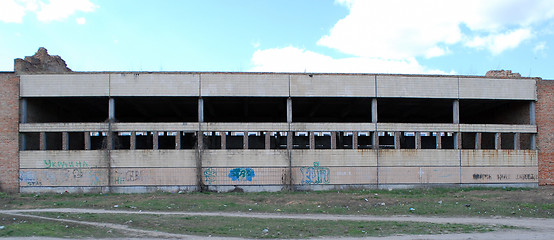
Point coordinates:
[[537, 228]]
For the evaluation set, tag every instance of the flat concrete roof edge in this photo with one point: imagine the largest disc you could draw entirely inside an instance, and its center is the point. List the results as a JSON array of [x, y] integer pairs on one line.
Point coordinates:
[[263, 73]]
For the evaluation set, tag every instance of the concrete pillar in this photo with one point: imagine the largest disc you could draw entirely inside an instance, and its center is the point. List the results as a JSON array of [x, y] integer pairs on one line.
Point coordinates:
[[65, 141], [87, 141], [312, 140], [289, 140], [397, 137], [374, 110], [478, 139], [355, 140], [375, 140], [109, 140], [111, 109], [133, 141], [155, 142], [178, 140], [199, 140], [533, 142], [517, 141], [289, 110], [497, 141], [532, 119], [457, 140], [23, 110], [223, 140], [438, 140], [42, 141], [417, 140], [267, 138], [200, 110], [333, 140], [245, 141], [456, 111]]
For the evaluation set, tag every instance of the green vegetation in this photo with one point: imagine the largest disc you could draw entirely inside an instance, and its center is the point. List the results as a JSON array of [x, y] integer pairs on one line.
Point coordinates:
[[272, 228]]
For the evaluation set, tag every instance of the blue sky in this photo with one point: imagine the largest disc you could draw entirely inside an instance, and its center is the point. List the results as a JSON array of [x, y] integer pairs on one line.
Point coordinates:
[[467, 37]]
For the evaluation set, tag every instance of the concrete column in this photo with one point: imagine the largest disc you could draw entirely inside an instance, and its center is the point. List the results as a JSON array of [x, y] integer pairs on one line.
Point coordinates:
[[178, 140], [354, 140], [200, 110], [289, 110], [456, 111], [517, 141], [397, 137], [289, 140], [155, 142], [87, 141], [111, 109], [23, 110], [497, 141], [375, 140], [109, 140], [245, 141], [333, 140], [267, 138], [533, 142], [374, 110], [478, 140], [200, 140], [223, 140], [133, 140], [438, 140], [65, 141], [42, 141], [532, 119], [417, 140], [457, 140], [312, 140]]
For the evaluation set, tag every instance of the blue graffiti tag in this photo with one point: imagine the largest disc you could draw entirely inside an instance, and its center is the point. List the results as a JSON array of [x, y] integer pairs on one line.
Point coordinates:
[[241, 174], [209, 175], [315, 174]]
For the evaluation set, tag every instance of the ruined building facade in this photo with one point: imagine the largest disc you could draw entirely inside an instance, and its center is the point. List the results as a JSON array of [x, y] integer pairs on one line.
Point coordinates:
[[171, 131]]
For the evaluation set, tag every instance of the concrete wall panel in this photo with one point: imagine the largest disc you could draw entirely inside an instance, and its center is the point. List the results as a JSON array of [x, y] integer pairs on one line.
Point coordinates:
[[127, 127], [245, 85], [334, 158], [322, 175], [417, 127], [418, 175], [240, 127], [499, 158], [60, 85], [153, 176], [493, 128], [417, 87], [486, 88], [144, 84], [244, 176], [63, 127], [420, 157], [153, 158], [321, 127], [62, 159], [245, 158], [63, 177], [319, 85], [499, 175]]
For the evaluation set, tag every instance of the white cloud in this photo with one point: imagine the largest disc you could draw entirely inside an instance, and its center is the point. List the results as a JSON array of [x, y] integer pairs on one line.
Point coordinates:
[[46, 11], [81, 20], [540, 47], [497, 43], [291, 59]]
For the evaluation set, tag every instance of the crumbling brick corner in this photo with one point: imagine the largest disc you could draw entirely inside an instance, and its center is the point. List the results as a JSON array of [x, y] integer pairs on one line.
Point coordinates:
[[9, 136], [545, 133]]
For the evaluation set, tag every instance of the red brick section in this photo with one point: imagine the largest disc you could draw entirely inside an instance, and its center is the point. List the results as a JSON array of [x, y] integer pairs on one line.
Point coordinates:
[[545, 135], [9, 136]]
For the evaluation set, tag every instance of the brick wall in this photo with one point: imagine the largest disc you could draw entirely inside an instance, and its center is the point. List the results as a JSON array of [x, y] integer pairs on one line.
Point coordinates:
[[9, 137], [545, 125]]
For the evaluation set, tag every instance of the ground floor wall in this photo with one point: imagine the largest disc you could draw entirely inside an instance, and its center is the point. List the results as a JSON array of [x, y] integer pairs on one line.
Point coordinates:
[[271, 170]]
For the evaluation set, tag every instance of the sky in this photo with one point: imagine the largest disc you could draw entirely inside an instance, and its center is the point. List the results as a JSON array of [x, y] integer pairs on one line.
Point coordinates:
[[461, 37]]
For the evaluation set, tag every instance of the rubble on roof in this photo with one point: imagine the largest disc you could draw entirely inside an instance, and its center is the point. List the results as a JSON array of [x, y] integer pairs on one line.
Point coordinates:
[[41, 62], [502, 74]]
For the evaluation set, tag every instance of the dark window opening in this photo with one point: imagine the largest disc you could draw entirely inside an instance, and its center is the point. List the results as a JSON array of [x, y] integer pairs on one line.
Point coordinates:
[[76, 140], [430, 141], [407, 140], [386, 140], [235, 140], [487, 141], [245, 109], [329, 109], [167, 140], [256, 141], [301, 140], [98, 141], [66, 109], [322, 140], [156, 109], [507, 140], [365, 141], [144, 140], [188, 140], [412, 110], [494, 112], [526, 141], [53, 141], [447, 141], [30, 141], [468, 140]]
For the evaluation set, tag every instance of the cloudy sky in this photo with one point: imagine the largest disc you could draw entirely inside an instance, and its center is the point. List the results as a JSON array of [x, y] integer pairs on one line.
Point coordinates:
[[465, 37]]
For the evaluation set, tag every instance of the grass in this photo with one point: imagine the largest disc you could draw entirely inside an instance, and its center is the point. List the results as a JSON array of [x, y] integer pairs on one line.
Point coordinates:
[[272, 228], [28, 227]]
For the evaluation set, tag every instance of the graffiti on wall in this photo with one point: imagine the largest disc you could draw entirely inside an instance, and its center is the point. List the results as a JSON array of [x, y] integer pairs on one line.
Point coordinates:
[[209, 175], [62, 177], [315, 174], [65, 164], [501, 177], [241, 174], [128, 176]]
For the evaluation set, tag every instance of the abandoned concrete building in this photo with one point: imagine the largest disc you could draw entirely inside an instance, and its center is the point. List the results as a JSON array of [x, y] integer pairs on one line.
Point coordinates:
[[184, 131]]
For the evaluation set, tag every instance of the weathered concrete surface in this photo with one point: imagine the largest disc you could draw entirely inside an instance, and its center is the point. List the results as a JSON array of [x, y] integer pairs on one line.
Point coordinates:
[[147, 84], [322, 85]]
